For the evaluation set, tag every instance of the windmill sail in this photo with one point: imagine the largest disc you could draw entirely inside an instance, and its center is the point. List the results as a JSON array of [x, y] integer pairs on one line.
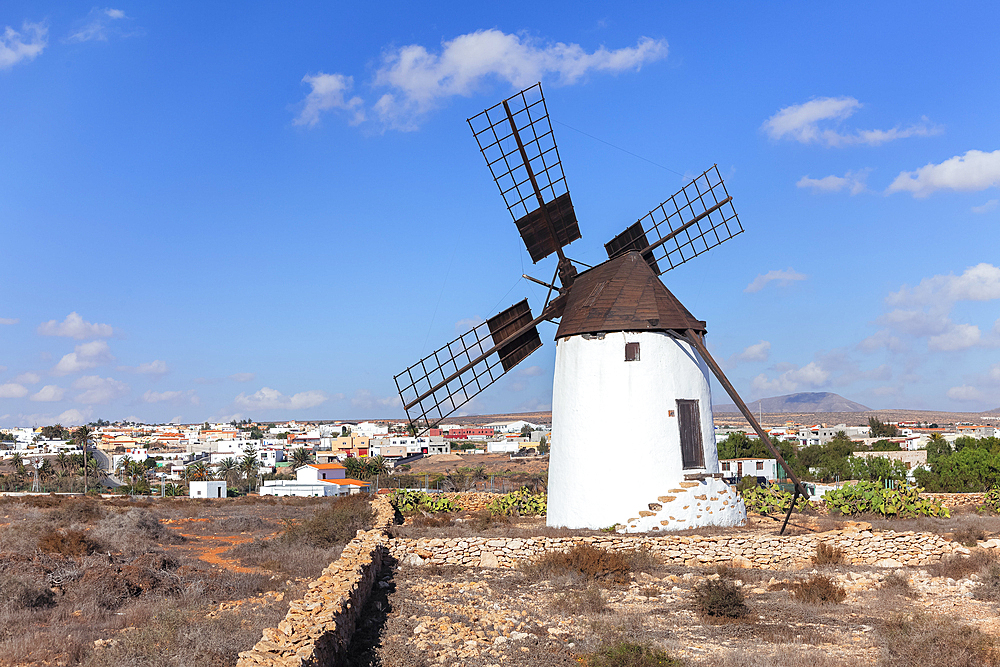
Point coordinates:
[[697, 218], [516, 139], [448, 378]]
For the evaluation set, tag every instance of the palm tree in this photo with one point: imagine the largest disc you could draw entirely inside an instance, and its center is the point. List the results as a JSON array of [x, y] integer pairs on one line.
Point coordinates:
[[301, 456], [197, 471], [356, 467], [62, 460], [17, 461], [376, 465], [81, 436], [228, 468], [250, 466]]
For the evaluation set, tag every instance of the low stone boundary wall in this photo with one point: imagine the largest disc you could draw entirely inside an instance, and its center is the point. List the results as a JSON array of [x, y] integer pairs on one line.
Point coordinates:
[[317, 629], [958, 499], [885, 549]]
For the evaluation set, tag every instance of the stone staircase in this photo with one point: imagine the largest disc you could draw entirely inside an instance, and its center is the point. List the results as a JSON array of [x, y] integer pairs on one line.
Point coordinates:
[[689, 504]]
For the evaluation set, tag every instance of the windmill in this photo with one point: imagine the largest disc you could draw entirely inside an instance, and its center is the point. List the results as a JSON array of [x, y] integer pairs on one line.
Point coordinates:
[[629, 356]]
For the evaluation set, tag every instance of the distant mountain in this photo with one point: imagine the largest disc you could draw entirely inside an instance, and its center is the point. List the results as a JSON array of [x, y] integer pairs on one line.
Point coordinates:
[[814, 401]]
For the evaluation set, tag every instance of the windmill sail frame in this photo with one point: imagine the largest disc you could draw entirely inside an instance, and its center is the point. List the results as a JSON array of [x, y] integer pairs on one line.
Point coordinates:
[[516, 139], [692, 221], [448, 378]]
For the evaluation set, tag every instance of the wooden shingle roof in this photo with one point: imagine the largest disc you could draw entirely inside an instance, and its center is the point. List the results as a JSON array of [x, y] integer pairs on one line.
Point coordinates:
[[623, 294]]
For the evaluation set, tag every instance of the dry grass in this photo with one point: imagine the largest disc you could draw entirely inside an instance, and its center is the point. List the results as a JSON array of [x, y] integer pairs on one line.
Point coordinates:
[[827, 554], [583, 560], [920, 640], [818, 589], [957, 566]]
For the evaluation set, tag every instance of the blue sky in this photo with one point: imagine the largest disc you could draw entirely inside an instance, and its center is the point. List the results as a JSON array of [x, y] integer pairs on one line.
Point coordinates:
[[210, 214]]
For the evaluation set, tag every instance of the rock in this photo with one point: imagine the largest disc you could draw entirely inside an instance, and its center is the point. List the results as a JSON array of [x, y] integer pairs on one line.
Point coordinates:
[[489, 559]]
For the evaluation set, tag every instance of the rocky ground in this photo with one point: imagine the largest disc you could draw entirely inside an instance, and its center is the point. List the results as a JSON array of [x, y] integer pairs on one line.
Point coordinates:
[[481, 617]]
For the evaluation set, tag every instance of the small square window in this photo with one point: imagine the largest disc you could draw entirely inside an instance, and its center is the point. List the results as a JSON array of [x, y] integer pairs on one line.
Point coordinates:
[[631, 351], [760, 465]]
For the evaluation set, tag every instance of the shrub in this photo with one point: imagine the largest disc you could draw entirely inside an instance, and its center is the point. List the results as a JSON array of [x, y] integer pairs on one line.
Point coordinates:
[[818, 589], [408, 502], [631, 654], [67, 543], [519, 503], [720, 598], [590, 600], [17, 593], [969, 537], [334, 525], [590, 562], [988, 587], [78, 511], [957, 566], [898, 585], [920, 640], [771, 500], [864, 497], [240, 524], [827, 554], [991, 499]]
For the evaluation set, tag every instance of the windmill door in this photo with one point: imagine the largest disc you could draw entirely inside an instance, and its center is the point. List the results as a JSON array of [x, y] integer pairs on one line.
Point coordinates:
[[689, 420]]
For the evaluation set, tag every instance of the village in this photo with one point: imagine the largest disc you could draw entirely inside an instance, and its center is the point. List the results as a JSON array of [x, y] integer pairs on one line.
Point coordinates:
[[323, 458]]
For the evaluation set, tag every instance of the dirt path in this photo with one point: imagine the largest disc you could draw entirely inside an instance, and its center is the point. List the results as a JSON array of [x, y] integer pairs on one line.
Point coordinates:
[[209, 548]]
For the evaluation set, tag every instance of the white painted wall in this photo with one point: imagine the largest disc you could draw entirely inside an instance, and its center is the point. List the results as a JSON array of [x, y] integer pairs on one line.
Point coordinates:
[[592, 485]]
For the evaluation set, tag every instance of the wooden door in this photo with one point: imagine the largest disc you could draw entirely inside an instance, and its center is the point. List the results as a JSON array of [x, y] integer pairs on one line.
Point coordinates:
[[689, 421]]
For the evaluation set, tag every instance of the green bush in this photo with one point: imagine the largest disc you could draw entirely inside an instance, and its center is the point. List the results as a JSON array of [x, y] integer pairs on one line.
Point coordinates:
[[408, 502], [871, 497], [771, 500], [520, 503], [991, 500], [631, 654]]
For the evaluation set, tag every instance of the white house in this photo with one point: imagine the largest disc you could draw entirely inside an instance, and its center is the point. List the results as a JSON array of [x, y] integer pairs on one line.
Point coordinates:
[[749, 467], [315, 479], [210, 489]]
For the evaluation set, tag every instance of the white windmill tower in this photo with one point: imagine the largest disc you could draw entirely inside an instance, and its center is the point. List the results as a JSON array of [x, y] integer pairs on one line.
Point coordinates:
[[629, 357]]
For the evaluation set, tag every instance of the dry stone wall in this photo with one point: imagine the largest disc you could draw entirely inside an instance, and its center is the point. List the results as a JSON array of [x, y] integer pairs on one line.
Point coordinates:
[[885, 549], [317, 629], [958, 499]]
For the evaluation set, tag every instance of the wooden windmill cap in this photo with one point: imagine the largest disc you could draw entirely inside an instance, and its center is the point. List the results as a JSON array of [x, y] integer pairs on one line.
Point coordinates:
[[623, 294]]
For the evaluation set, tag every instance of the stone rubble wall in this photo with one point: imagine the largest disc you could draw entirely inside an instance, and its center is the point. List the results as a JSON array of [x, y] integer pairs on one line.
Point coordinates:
[[318, 628], [861, 546], [958, 499]]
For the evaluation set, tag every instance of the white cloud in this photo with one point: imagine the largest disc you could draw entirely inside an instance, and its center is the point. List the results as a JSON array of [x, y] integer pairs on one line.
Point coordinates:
[[782, 277], [28, 378], [86, 355], [364, 400], [13, 390], [808, 376], [971, 172], [329, 91], [156, 367], [802, 123], [957, 337], [25, 45], [175, 397], [98, 25], [9, 320], [242, 377], [987, 207], [418, 81], [74, 326], [95, 389], [48, 394], [882, 339], [532, 371], [468, 323], [272, 399], [977, 283], [966, 393], [74, 417], [853, 181], [759, 351]]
